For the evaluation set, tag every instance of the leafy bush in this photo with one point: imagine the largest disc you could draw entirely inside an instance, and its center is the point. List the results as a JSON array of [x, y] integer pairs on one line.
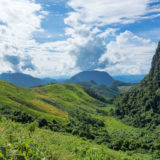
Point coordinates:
[[84, 125]]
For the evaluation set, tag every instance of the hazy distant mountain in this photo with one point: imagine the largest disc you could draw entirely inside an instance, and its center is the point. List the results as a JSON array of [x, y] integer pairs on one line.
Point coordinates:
[[96, 76], [129, 78], [22, 80], [50, 80]]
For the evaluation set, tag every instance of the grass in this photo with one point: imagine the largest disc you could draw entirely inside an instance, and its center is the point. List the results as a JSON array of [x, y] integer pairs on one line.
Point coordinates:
[[55, 102], [113, 124], [55, 146], [109, 107], [68, 96], [49, 108], [51, 102]]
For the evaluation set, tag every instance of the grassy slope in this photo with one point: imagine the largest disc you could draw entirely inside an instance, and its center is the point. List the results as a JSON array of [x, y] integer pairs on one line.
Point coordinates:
[[112, 123], [59, 146], [53, 102], [67, 97], [23, 99]]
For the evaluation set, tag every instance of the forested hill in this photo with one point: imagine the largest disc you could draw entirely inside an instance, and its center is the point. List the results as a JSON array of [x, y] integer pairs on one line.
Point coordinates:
[[141, 107]]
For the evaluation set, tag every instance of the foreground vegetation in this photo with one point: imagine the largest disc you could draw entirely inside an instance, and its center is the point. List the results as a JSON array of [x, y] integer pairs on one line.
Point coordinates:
[[26, 141]]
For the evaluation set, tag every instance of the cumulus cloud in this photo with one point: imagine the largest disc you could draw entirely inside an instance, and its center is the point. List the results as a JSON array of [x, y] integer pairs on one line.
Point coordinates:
[[128, 54], [84, 47], [108, 32], [14, 61], [105, 12], [88, 40], [19, 52], [27, 64], [19, 19], [52, 61]]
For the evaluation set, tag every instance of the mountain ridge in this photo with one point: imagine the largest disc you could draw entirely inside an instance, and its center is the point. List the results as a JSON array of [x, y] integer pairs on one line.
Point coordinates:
[[23, 80], [129, 78], [97, 76]]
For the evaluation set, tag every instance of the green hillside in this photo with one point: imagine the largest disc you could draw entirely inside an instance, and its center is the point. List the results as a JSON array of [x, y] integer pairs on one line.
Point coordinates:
[[141, 107], [112, 91], [15, 99], [69, 97], [101, 89], [80, 124], [122, 87], [51, 101]]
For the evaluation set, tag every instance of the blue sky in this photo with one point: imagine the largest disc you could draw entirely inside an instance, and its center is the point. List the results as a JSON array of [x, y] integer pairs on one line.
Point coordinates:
[[55, 38], [54, 23]]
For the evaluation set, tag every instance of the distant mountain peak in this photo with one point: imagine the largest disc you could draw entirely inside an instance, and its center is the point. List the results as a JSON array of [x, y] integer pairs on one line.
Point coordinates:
[[98, 77], [21, 79]]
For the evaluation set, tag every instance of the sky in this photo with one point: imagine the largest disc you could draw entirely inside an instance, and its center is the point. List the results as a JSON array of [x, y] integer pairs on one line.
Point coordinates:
[[57, 38]]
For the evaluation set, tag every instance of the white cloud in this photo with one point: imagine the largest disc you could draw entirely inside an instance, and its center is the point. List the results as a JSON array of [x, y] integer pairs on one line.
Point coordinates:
[[19, 19], [108, 32], [19, 52], [128, 54], [87, 38], [105, 12], [52, 60], [84, 47]]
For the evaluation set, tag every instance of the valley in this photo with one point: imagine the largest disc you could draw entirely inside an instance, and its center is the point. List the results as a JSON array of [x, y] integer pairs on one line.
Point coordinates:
[[79, 80], [73, 121]]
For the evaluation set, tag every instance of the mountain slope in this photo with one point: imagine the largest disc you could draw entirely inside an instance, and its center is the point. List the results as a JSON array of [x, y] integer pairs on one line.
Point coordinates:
[[141, 107], [22, 80], [53, 101], [15, 99], [111, 91], [97, 76], [58, 107], [101, 89], [72, 110], [122, 87], [68, 97]]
